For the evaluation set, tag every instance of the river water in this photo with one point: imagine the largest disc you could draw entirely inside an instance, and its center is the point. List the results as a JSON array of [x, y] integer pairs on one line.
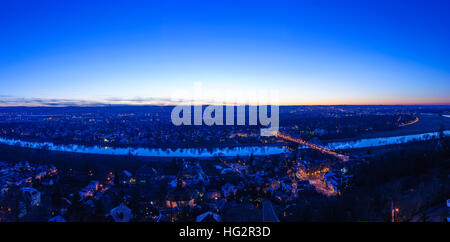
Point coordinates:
[[203, 152]]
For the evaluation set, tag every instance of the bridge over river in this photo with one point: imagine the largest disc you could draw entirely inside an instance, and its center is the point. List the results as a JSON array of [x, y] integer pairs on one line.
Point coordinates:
[[312, 146]]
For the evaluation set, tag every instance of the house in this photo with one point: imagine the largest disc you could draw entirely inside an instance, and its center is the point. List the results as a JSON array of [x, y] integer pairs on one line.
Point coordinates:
[[180, 196], [161, 218], [57, 219], [228, 190]]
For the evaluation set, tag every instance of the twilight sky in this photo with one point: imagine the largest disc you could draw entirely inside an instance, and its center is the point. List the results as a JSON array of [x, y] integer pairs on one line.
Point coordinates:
[[312, 52]]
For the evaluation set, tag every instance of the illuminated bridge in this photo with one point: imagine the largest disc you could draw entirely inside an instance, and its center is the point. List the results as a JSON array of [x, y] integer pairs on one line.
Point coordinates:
[[313, 146]]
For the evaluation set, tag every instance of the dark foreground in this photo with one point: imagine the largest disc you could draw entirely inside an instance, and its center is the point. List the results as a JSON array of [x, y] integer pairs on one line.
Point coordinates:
[[410, 179]]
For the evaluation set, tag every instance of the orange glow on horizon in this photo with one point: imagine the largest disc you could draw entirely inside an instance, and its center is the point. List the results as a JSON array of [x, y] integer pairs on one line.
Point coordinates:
[[88, 103]]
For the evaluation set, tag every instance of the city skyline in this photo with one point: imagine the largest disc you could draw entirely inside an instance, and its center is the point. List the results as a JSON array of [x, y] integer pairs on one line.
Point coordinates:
[[322, 53]]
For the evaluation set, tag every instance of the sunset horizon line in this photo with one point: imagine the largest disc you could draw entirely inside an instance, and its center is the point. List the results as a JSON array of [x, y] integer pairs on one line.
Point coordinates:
[[206, 104]]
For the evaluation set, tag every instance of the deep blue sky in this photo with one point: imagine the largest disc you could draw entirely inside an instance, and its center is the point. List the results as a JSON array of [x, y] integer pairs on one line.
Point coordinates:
[[313, 52]]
